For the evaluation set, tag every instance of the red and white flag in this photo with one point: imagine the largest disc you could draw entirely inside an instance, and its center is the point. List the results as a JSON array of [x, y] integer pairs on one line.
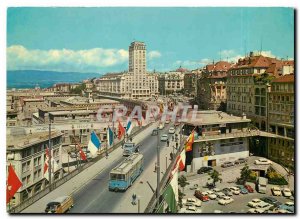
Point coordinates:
[[180, 163], [13, 184], [54, 165], [82, 154]]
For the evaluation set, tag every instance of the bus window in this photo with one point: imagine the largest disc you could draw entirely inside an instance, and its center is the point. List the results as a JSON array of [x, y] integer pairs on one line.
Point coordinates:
[[121, 177], [113, 176]]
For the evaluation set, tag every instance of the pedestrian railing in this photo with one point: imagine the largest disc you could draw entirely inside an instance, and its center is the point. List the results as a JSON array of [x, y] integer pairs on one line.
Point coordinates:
[[24, 204]]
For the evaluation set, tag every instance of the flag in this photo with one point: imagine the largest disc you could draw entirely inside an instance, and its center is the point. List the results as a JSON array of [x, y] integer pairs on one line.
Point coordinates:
[[170, 196], [82, 154], [13, 184], [54, 165], [122, 130], [189, 143], [129, 127], [94, 144], [179, 163], [110, 137]]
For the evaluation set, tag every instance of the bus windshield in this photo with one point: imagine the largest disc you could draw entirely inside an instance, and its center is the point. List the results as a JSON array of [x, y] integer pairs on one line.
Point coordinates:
[[114, 176], [128, 145]]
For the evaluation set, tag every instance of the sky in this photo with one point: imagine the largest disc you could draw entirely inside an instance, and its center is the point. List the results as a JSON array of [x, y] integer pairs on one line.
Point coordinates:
[[97, 39]]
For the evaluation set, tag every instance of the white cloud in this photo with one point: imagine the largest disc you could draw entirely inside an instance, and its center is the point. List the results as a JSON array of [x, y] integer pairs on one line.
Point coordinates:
[[154, 54], [21, 58]]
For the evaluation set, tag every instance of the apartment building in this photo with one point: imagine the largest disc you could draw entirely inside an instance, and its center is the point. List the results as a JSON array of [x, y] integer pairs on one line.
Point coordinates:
[[219, 137], [211, 86], [136, 83], [247, 84], [281, 120], [26, 153], [171, 82]]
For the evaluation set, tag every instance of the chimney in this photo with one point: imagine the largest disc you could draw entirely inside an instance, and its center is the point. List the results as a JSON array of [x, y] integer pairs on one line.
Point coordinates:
[[251, 54]]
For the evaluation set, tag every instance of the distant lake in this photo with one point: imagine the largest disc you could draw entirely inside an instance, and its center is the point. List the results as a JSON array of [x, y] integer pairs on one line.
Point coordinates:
[[32, 78]]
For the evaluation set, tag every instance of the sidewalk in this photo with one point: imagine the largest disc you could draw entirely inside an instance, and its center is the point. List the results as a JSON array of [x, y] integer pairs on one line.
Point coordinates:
[[77, 182]]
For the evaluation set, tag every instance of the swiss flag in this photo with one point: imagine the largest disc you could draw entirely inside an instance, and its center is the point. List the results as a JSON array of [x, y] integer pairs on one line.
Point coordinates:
[[13, 184], [82, 154], [122, 130]]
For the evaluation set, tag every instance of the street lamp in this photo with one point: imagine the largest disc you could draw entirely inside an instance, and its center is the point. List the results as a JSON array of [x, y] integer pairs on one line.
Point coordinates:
[[158, 169]]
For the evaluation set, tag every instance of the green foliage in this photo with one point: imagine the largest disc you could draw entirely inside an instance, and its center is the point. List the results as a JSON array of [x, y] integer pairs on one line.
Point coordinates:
[[264, 78], [78, 90], [182, 181], [245, 174], [215, 176], [275, 178]]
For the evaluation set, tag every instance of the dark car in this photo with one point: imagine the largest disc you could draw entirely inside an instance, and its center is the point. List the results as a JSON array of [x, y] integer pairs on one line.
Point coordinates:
[[249, 188], [240, 160], [154, 132], [227, 192], [204, 170], [227, 164], [271, 200]]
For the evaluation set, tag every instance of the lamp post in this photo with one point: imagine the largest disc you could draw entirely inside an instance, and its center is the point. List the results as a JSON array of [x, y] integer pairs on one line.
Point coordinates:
[[157, 170], [50, 150]]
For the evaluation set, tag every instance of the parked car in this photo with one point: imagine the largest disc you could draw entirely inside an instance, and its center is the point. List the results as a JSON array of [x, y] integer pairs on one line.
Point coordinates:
[[171, 130], [264, 205], [240, 160], [193, 201], [216, 190], [220, 194], [276, 191], [286, 192], [218, 212], [271, 200], [254, 203], [243, 189], [235, 190], [167, 121], [249, 188], [211, 194], [201, 195], [288, 206], [227, 164], [203, 170], [252, 210], [262, 161], [225, 200], [192, 209], [227, 191], [164, 137]]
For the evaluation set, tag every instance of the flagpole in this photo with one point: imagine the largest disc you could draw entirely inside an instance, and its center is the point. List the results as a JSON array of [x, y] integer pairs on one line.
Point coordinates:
[[158, 171], [50, 157]]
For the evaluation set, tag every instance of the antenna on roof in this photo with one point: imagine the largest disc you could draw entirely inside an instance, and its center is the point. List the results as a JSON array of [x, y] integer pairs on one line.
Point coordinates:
[[260, 45]]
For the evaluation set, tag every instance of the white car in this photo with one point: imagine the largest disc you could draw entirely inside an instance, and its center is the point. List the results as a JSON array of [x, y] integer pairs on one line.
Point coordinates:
[[167, 121], [225, 200], [252, 210], [164, 137], [262, 161], [217, 190], [235, 190], [220, 195], [260, 210], [211, 195], [276, 191], [161, 126], [190, 209], [218, 212], [193, 202], [286, 192], [254, 203], [171, 130], [264, 205]]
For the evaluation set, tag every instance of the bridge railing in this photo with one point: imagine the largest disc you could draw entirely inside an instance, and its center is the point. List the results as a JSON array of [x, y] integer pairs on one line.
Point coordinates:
[[24, 204]]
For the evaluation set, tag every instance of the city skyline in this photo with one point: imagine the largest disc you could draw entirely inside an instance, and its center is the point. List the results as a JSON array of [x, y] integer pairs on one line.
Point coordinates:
[[177, 41]]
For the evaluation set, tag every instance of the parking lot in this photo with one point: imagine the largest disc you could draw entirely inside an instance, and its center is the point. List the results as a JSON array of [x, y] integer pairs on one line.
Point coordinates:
[[228, 175]]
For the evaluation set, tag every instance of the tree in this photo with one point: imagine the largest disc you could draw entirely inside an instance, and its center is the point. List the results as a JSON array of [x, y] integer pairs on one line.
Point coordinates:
[[245, 174], [78, 90], [215, 176], [182, 181]]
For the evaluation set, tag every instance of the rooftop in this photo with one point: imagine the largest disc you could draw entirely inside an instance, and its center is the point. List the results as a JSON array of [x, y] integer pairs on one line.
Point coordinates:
[[20, 140], [213, 117], [285, 79]]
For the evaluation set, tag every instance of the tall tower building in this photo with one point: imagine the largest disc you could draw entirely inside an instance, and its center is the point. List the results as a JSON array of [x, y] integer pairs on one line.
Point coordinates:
[[137, 58]]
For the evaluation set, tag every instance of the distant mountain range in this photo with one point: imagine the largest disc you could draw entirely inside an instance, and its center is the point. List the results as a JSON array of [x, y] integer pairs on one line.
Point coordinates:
[[43, 79]]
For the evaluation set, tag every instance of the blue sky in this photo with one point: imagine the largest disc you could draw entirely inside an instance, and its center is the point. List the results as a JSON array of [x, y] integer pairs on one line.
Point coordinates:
[[97, 39]]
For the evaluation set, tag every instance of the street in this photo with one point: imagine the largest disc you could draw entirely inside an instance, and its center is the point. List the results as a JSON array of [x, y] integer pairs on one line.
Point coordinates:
[[95, 197]]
